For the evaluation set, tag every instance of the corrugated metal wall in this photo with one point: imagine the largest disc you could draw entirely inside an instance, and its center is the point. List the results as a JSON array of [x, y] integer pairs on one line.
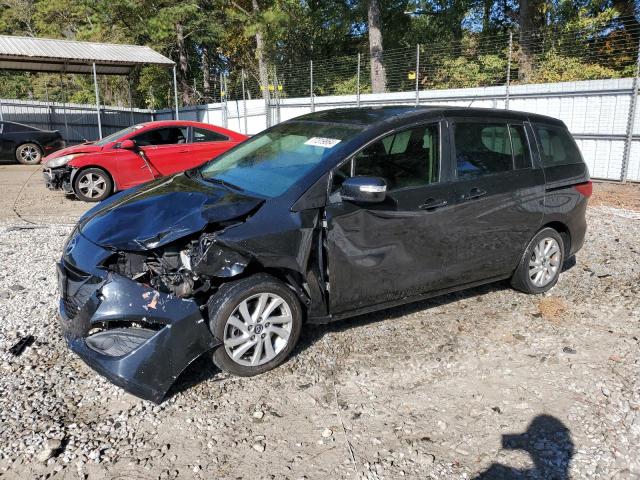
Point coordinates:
[[77, 123], [596, 112]]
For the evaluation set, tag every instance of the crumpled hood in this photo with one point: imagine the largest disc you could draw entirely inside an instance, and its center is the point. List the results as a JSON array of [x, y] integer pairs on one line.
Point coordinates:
[[82, 148], [161, 212]]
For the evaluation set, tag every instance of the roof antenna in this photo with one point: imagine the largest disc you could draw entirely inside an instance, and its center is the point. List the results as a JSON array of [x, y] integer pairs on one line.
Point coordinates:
[[472, 100]]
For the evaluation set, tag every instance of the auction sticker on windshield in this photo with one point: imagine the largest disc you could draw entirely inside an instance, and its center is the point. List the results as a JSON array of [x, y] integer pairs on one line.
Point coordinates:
[[322, 142]]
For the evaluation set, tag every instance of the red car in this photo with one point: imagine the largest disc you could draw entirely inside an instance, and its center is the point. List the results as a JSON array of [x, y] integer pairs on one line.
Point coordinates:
[[137, 154]]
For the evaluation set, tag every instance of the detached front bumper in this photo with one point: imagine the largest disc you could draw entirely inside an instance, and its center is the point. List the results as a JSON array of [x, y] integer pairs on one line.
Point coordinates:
[[58, 179], [137, 337]]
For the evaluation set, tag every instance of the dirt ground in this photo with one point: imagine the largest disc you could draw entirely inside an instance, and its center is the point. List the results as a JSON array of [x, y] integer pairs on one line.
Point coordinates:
[[488, 383]]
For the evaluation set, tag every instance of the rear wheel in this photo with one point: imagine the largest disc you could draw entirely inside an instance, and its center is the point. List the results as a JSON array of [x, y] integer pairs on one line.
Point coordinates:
[[92, 185], [259, 319], [541, 263], [29, 154]]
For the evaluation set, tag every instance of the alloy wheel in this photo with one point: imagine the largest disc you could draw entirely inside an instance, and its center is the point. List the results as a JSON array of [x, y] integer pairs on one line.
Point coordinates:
[[29, 154], [258, 329], [544, 262], [92, 185]]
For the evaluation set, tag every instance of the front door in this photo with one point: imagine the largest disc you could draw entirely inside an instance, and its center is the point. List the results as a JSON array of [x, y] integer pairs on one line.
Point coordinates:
[[499, 199], [162, 147], [384, 252], [166, 148]]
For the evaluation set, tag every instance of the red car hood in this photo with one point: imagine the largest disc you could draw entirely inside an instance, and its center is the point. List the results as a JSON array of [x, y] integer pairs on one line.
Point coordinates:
[[82, 148]]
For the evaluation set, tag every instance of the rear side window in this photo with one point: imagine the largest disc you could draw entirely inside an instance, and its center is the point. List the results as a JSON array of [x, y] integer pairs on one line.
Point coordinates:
[[482, 149], [204, 135], [488, 148], [557, 146]]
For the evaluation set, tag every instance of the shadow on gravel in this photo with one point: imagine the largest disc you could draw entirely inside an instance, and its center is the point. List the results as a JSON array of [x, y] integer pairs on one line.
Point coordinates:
[[313, 333], [203, 369], [548, 442], [200, 370]]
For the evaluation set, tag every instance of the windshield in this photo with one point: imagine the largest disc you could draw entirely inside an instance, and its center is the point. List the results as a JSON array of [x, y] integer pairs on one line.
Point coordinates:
[[116, 136], [270, 163]]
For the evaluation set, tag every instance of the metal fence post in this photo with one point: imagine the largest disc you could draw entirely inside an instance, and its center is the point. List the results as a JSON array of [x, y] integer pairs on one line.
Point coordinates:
[[626, 156], [175, 91], [276, 93], [64, 109], [313, 105], [244, 104], [358, 83], [506, 98], [97, 90], [223, 101], [417, 75], [264, 80], [226, 100], [130, 99]]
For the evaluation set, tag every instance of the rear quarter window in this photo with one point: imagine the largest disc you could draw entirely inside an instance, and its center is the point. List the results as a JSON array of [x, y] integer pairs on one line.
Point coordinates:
[[557, 146]]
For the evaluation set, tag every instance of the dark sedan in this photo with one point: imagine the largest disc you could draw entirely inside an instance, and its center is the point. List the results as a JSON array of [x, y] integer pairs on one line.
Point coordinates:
[[326, 216], [28, 145]]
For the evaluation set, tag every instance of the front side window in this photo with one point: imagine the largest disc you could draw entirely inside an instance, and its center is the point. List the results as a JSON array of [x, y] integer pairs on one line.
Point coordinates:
[[405, 159], [203, 135], [162, 136], [557, 146], [270, 163], [482, 149]]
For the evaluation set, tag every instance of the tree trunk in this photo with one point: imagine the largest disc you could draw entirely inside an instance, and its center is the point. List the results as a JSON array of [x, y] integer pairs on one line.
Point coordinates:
[[262, 63], [206, 72], [530, 23], [486, 15], [182, 64], [378, 74]]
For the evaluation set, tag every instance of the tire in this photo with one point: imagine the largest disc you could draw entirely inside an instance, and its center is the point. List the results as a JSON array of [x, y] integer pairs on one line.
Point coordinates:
[[92, 185], [538, 271], [29, 154], [243, 353]]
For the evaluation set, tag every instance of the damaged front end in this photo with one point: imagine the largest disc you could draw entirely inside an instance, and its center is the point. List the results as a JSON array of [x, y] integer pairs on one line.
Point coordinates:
[[138, 272], [58, 179], [183, 269], [137, 317]]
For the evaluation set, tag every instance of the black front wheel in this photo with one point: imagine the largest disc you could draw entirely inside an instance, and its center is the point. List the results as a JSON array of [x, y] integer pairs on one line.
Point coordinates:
[[259, 319]]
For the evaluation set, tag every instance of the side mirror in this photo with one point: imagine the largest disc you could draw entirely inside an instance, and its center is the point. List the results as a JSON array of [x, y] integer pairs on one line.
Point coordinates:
[[128, 145], [364, 189]]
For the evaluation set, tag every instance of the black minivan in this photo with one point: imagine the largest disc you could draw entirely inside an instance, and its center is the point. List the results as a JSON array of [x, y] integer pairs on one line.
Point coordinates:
[[329, 215]]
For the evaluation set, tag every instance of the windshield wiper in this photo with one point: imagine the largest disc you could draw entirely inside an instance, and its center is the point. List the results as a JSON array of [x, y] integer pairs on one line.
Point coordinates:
[[222, 182]]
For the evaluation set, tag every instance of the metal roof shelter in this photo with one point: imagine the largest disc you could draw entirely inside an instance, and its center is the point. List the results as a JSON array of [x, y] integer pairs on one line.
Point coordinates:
[[70, 56]]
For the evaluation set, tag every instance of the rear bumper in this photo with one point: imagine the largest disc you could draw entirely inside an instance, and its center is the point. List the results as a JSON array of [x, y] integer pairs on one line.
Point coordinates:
[[137, 337], [58, 179]]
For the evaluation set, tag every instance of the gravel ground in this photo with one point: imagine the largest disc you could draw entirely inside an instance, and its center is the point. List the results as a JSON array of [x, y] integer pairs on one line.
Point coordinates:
[[489, 383]]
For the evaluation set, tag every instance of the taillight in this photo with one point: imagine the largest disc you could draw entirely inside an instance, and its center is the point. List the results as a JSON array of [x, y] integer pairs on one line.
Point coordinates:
[[585, 189]]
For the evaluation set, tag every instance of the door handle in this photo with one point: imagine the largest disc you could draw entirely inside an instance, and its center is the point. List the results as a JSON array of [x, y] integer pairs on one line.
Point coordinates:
[[433, 204], [474, 193]]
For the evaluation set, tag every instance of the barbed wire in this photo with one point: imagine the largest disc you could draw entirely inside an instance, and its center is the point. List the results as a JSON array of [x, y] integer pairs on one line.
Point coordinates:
[[603, 50]]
